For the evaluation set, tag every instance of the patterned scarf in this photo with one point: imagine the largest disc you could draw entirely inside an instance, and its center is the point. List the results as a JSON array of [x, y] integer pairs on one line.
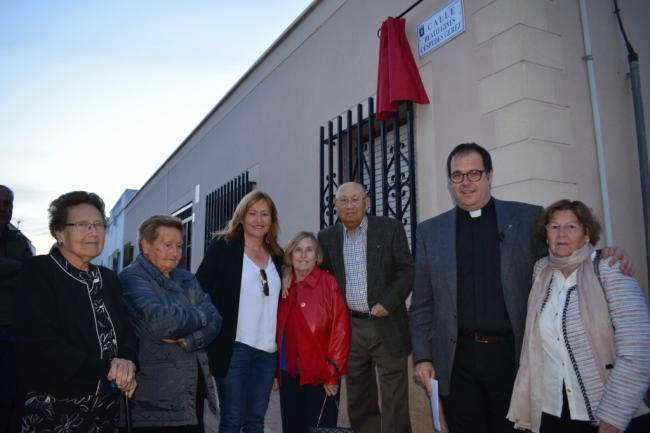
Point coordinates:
[[527, 396]]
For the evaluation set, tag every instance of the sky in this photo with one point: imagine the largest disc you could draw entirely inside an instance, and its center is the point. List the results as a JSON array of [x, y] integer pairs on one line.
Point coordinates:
[[95, 95]]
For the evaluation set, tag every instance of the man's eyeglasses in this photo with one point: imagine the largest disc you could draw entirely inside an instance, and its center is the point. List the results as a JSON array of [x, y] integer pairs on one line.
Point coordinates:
[[84, 226], [354, 201], [570, 228], [472, 176], [265, 282]]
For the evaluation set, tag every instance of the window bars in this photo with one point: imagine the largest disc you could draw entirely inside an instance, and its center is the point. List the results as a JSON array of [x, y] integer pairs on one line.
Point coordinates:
[[379, 155], [221, 203]]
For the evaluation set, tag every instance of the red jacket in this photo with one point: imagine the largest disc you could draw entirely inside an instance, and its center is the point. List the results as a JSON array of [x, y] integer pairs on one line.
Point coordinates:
[[322, 327]]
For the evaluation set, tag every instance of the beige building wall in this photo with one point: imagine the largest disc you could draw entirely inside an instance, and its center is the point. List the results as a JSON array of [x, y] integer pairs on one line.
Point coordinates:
[[514, 81]]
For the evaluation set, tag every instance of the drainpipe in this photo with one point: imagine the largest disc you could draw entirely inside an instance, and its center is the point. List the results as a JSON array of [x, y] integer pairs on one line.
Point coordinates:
[[642, 146], [595, 112]]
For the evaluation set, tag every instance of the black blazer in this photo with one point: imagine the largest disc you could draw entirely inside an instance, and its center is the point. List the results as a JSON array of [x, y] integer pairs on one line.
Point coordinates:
[[57, 344], [220, 276]]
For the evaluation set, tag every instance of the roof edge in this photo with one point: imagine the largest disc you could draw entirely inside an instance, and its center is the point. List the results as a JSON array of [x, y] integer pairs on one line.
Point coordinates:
[[294, 24]]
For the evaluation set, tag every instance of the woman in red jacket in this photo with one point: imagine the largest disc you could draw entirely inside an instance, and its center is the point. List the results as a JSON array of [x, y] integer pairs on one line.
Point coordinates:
[[313, 340]]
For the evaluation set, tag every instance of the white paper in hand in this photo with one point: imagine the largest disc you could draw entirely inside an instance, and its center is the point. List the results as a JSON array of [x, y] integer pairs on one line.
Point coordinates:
[[434, 405]]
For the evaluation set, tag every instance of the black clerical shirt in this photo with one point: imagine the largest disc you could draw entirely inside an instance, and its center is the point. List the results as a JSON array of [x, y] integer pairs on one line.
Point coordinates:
[[481, 307]]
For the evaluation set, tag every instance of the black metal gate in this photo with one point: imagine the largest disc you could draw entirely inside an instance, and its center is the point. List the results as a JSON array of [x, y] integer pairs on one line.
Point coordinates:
[[379, 155], [221, 203]]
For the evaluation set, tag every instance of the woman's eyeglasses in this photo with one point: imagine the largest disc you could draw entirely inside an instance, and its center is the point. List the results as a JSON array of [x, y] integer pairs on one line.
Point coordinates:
[[84, 226], [569, 228], [265, 282]]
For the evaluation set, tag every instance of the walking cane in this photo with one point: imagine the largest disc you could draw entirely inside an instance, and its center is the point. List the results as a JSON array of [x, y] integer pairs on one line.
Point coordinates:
[[127, 409], [127, 413]]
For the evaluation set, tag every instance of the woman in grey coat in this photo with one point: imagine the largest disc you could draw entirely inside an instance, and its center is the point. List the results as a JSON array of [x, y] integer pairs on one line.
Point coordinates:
[[175, 321]]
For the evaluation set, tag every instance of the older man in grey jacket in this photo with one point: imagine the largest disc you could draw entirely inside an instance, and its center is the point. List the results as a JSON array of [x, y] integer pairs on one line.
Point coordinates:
[[372, 263]]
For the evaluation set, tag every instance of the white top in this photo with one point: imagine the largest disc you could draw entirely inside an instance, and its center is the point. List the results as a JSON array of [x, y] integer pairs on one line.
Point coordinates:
[[257, 312], [557, 363]]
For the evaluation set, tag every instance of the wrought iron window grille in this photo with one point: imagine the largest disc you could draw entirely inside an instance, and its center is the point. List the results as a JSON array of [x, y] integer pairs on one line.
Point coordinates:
[[379, 155], [221, 204]]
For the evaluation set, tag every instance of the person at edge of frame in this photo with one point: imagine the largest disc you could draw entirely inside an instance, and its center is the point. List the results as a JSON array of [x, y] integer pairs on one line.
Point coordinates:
[[15, 249]]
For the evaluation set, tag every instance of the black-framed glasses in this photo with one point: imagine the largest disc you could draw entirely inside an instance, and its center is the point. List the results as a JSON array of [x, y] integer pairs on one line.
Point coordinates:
[[472, 176], [265, 282], [85, 226]]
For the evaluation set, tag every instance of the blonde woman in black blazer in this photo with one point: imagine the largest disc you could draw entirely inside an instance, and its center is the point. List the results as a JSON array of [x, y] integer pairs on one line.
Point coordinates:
[[241, 271]]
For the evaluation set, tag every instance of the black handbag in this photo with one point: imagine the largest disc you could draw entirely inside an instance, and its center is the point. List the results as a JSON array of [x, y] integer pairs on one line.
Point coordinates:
[[318, 429]]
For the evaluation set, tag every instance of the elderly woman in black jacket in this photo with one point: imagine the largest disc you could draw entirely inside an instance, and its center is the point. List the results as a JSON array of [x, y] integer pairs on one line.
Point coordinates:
[[74, 342]]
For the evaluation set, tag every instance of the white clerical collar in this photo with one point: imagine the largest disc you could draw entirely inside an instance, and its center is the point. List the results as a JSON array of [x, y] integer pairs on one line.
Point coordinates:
[[475, 213]]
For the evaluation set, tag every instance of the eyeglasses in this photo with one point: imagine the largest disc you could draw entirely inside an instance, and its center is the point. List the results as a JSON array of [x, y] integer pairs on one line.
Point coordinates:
[[84, 226], [354, 201], [265, 282], [472, 176], [570, 228]]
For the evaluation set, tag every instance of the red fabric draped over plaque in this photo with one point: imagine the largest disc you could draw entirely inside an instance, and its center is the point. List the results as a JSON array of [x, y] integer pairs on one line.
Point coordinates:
[[398, 78]]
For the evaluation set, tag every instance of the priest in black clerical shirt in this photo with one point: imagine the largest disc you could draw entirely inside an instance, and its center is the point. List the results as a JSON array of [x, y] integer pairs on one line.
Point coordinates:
[[473, 273], [472, 276], [481, 307]]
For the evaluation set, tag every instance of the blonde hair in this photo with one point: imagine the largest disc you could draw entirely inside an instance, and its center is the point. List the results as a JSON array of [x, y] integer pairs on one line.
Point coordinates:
[[293, 243], [235, 228]]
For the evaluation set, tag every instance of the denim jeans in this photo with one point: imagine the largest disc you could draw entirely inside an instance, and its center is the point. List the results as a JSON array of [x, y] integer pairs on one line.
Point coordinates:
[[245, 390]]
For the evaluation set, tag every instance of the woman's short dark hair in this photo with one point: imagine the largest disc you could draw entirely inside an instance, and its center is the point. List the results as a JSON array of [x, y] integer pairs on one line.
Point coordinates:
[[584, 214], [148, 230], [465, 148], [58, 210], [293, 243]]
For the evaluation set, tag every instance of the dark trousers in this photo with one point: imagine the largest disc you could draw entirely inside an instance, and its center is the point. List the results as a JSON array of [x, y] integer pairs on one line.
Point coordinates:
[[481, 385], [301, 405], [639, 425], [367, 352], [7, 376], [564, 423]]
